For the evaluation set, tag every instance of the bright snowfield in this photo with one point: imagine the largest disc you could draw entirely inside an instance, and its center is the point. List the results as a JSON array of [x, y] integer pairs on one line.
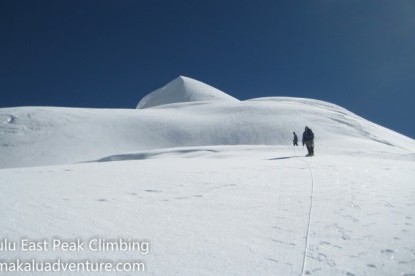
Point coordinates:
[[213, 184]]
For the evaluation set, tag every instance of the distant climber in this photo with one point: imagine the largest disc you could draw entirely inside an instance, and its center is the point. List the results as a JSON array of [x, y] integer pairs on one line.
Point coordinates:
[[295, 141], [308, 140]]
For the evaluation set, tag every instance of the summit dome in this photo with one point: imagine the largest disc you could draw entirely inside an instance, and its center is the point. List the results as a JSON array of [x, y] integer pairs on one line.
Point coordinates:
[[183, 89]]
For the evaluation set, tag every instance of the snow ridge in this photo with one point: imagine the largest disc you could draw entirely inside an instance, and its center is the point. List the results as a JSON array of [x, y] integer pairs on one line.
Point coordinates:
[[183, 89], [349, 213], [184, 113]]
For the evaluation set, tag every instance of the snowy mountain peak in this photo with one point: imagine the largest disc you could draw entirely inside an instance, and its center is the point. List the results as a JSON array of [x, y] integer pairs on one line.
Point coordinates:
[[183, 89]]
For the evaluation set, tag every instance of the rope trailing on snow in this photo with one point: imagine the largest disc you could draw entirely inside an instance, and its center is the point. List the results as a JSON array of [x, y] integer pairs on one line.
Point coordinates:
[[309, 216]]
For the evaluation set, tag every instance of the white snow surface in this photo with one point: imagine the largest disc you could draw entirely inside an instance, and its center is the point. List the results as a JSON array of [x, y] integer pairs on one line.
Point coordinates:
[[183, 89], [225, 210], [37, 136], [215, 187]]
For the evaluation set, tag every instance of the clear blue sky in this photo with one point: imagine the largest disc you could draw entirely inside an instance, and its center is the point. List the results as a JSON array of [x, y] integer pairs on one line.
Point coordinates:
[[359, 54]]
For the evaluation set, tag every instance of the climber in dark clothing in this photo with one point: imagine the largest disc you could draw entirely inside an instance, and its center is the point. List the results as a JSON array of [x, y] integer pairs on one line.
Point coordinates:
[[308, 140], [295, 141]]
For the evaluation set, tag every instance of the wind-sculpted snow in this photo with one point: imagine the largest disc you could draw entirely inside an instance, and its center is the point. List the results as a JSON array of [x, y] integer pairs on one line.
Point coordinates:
[[183, 89], [33, 136], [213, 184]]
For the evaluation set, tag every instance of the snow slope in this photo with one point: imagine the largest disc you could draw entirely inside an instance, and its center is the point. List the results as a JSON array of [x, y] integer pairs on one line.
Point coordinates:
[[184, 89], [235, 210], [33, 136], [215, 186]]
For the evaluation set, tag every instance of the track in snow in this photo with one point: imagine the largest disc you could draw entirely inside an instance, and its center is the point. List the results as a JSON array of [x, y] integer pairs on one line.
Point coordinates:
[[309, 216]]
